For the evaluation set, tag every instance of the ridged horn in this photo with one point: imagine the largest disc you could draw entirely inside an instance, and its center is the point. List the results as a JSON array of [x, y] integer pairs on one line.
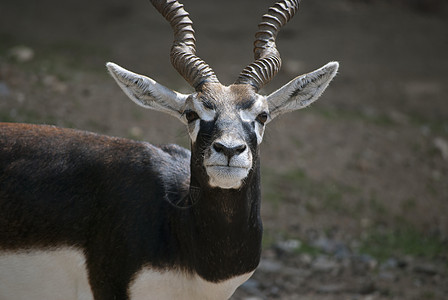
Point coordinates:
[[267, 59], [183, 52]]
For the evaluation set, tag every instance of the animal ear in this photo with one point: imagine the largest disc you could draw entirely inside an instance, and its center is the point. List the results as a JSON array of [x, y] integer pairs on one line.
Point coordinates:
[[301, 91], [148, 93]]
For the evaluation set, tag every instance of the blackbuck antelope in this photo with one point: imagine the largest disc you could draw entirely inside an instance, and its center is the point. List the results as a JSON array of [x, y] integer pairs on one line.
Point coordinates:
[[87, 216]]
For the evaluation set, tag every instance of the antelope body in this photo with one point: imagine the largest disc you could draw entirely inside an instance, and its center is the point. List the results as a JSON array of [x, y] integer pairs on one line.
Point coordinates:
[[87, 216]]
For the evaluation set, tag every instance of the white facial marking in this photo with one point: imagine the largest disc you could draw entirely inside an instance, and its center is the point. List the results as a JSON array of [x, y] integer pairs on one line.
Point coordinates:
[[204, 113], [226, 177], [259, 131], [250, 115], [193, 130], [225, 173], [168, 285], [50, 275]]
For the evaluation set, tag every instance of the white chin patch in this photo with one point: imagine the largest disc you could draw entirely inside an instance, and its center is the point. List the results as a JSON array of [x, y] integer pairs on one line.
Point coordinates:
[[226, 177]]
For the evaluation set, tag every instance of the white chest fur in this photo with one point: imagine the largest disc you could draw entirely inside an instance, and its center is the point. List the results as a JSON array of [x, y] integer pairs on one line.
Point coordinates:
[[168, 285]]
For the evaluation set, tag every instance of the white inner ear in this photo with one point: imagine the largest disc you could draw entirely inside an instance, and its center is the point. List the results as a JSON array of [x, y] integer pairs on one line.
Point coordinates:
[[302, 90], [147, 92]]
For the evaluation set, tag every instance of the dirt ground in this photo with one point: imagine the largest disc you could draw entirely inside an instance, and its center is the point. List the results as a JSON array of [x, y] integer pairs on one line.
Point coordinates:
[[355, 188]]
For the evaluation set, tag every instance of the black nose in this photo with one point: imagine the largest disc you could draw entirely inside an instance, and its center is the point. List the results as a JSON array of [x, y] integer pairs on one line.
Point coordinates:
[[229, 151]]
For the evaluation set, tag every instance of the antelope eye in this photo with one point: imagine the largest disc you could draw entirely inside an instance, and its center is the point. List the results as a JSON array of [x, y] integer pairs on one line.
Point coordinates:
[[262, 118], [191, 116]]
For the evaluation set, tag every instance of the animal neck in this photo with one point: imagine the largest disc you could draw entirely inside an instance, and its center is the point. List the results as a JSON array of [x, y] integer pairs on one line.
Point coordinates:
[[226, 227]]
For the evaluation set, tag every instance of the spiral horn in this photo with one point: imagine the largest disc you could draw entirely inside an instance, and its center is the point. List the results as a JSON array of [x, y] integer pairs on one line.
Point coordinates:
[[183, 51], [267, 58]]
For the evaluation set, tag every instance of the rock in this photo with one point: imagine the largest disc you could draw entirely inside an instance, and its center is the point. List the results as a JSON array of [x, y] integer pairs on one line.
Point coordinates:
[[251, 283], [342, 252], [274, 291], [306, 259], [269, 265], [21, 53], [330, 246], [366, 223], [273, 266], [361, 264], [296, 272], [441, 145], [288, 246], [387, 276], [426, 269], [323, 263], [391, 263], [325, 244], [252, 286], [368, 260], [331, 288], [403, 263]]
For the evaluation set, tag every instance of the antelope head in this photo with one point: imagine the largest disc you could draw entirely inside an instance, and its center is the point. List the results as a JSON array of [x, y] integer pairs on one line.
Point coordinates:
[[225, 123]]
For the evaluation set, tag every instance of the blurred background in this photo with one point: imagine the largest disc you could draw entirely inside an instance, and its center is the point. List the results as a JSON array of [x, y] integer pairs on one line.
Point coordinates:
[[355, 188]]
